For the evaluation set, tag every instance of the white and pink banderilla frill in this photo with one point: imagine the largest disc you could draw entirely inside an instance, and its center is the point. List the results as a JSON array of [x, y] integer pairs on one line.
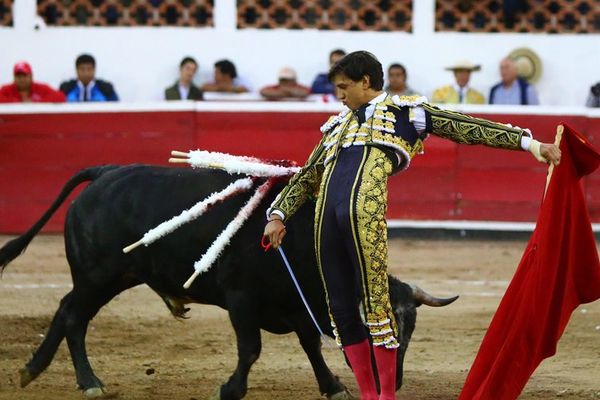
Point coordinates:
[[234, 165]]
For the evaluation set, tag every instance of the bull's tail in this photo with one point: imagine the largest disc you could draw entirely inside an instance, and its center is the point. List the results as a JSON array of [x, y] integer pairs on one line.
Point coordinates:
[[17, 246]]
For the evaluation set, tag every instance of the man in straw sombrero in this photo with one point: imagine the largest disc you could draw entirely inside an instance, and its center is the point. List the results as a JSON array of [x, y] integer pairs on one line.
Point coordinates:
[[459, 92], [375, 136]]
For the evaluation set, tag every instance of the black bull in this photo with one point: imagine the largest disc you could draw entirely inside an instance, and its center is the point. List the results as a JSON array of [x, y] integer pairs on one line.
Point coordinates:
[[122, 203]]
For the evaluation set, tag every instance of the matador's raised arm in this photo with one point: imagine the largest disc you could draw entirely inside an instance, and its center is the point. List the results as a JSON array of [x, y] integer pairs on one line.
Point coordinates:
[[462, 128]]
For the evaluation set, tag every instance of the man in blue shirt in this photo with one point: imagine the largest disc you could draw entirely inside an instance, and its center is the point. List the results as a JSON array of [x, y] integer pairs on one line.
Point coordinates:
[[512, 89], [86, 87], [321, 84]]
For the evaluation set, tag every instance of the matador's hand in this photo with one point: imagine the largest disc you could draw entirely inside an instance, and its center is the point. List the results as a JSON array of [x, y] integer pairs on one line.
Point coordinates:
[[545, 152], [550, 152], [275, 231]]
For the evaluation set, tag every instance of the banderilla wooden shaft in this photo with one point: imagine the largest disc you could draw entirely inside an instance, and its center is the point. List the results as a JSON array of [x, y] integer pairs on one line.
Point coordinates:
[[133, 246], [189, 282], [179, 160]]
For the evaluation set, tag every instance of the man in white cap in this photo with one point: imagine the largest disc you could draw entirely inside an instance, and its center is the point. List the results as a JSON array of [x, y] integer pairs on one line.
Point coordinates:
[[287, 88], [459, 92]]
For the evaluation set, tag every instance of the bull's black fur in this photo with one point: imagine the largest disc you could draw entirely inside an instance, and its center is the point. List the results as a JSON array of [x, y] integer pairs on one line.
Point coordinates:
[[122, 203]]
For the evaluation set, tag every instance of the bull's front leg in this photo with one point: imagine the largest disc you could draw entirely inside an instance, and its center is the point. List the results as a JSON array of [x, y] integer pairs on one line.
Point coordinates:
[[243, 313], [310, 340]]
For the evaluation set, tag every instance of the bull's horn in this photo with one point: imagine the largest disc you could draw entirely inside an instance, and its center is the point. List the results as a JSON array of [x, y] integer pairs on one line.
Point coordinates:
[[425, 298]]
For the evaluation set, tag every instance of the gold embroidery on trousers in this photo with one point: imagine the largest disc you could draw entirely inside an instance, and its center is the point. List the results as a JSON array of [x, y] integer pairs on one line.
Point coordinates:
[[371, 240]]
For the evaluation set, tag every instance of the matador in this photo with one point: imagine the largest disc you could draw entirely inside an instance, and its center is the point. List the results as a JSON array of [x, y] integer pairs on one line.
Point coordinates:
[[376, 136]]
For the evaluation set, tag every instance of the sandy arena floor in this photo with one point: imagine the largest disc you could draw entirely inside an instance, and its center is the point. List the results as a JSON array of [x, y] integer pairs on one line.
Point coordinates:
[[135, 333]]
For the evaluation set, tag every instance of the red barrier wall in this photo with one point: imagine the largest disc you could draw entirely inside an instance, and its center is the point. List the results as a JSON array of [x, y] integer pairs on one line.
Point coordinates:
[[39, 152]]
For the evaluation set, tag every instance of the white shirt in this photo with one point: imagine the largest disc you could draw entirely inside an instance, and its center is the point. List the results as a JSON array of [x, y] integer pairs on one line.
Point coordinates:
[[183, 91], [461, 91]]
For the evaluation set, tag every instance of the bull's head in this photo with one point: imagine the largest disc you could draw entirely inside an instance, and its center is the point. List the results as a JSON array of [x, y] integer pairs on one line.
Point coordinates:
[[405, 299]]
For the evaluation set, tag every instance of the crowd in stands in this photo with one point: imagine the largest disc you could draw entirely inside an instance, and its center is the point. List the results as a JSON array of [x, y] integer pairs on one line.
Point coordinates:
[[514, 86]]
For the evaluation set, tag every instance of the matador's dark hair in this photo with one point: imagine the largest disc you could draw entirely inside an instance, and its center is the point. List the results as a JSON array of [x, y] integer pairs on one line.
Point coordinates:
[[358, 64]]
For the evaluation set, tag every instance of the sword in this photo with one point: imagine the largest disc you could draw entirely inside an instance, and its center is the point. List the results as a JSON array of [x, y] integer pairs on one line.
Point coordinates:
[[299, 290], [289, 268]]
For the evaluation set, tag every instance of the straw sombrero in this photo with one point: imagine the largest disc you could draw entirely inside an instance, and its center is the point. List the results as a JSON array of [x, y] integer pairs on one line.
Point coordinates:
[[464, 65], [528, 63]]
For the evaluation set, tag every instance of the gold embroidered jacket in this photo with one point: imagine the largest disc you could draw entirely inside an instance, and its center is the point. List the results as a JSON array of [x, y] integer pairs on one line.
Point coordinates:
[[390, 128]]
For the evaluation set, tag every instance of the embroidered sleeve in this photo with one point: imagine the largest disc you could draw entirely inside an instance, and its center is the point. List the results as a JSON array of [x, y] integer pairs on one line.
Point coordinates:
[[462, 128], [301, 185]]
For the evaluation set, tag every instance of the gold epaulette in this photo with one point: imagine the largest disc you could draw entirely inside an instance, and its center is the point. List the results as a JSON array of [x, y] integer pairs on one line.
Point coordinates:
[[334, 120], [409, 101]]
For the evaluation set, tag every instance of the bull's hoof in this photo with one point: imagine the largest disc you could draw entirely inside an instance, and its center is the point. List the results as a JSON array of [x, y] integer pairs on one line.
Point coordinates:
[[26, 376], [343, 395], [96, 393]]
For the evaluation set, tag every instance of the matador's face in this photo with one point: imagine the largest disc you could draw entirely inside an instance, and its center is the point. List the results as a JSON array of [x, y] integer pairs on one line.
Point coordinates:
[[352, 93]]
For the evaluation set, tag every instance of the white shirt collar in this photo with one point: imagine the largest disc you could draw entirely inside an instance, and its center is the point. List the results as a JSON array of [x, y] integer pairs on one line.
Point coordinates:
[[91, 84], [378, 99], [458, 88], [371, 107]]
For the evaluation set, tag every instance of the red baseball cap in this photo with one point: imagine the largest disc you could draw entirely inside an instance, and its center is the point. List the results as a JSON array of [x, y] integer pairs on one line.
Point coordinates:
[[22, 67]]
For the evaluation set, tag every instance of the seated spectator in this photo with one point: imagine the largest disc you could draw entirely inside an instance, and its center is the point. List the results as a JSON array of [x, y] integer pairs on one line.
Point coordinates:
[[287, 88], [225, 79], [512, 89], [594, 97], [321, 83], [86, 87], [184, 87], [459, 92], [25, 90], [397, 81]]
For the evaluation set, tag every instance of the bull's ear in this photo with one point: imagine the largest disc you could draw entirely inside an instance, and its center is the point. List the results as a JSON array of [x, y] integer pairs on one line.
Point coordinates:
[[401, 294]]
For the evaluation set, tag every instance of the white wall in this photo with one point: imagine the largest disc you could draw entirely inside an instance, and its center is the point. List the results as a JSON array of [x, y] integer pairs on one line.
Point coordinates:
[[142, 61]]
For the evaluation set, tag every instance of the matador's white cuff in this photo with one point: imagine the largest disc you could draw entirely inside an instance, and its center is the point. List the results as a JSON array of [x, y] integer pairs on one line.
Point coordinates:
[[276, 212], [526, 142]]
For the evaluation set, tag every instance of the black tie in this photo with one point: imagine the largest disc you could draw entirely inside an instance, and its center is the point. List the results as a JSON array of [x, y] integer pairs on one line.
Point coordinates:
[[85, 94], [361, 113]]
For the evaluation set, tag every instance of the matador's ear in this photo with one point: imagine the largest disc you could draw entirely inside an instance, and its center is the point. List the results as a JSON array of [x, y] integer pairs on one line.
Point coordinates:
[[365, 82]]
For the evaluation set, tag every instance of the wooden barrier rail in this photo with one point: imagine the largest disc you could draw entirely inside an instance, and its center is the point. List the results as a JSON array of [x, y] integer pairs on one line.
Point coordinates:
[[41, 146]]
